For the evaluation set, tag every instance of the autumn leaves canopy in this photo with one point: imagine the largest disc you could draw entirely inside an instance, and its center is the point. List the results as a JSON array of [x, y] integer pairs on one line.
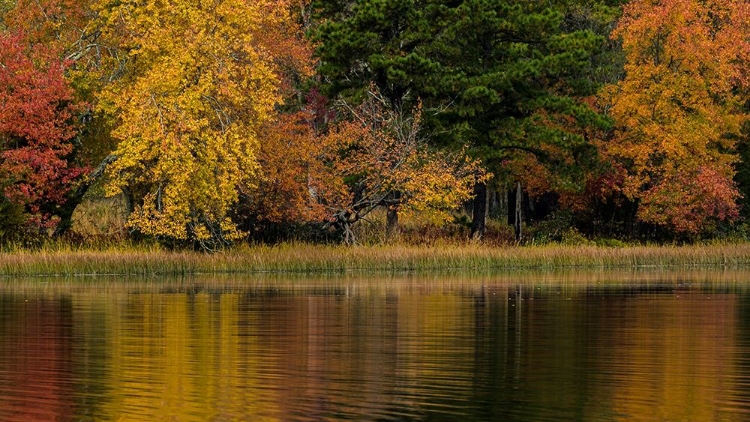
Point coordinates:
[[215, 116], [679, 109]]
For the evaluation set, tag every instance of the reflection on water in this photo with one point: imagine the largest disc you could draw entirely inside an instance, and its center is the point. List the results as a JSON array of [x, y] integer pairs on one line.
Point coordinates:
[[638, 346]]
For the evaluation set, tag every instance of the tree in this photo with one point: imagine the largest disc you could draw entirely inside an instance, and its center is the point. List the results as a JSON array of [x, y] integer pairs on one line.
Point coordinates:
[[377, 150], [679, 111], [36, 130], [66, 29], [334, 171], [194, 83], [374, 42], [511, 70], [295, 180], [5, 6], [60, 24], [488, 73], [380, 42]]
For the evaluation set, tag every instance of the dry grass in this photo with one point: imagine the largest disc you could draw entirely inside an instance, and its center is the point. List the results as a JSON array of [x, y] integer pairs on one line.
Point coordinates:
[[304, 258], [101, 218]]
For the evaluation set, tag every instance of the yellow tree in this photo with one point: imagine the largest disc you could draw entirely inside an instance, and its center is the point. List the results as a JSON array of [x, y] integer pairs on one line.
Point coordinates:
[[679, 108], [194, 81]]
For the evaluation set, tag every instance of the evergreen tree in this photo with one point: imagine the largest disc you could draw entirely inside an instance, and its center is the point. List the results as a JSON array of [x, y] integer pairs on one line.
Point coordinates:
[[514, 73], [504, 77], [380, 42]]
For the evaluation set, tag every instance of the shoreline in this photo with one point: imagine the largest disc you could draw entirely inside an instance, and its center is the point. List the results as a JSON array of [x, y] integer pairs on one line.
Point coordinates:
[[320, 259]]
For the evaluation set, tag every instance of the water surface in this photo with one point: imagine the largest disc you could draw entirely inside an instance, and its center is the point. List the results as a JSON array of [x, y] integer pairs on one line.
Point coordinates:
[[566, 346]]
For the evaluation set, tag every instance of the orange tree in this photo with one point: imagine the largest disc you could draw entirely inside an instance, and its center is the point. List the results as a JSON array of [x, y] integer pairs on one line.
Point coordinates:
[[334, 166], [678, 109]]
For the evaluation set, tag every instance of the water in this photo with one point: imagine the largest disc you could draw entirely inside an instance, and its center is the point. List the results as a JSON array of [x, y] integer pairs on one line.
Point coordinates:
[[601, 346]]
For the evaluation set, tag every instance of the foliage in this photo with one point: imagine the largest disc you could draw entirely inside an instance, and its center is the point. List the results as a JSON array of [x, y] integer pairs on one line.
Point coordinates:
[[337, 171], [678, 109], [508, 79], [293, 171], [499, 76], [381, 150], [59, 24], [296, 180], [380, 42], [510, 70], [742, 178], [36, 130], [609, 243], [197, 83], [555, 228], [12, 218], [202, 119], [5, 6]]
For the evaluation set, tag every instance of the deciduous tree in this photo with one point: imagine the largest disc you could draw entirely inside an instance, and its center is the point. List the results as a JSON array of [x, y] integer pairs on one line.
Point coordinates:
[[378, 150], [194, 83], [296, 180], [36, 129], [678, 109]]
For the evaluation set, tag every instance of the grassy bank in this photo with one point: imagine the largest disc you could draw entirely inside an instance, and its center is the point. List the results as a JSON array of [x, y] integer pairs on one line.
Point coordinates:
[[304, 258]]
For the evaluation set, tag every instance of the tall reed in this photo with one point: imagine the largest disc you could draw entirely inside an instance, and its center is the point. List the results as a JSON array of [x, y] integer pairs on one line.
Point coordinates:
[[306, 258]]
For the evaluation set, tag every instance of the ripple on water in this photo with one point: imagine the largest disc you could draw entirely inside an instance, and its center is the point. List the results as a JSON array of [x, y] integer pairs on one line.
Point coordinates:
[[461, 350]]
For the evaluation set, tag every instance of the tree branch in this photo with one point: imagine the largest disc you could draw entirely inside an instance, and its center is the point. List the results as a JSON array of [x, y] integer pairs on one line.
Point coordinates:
[[93, 177]]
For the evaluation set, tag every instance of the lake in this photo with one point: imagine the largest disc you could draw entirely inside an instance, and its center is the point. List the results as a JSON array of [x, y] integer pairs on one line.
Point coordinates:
[[638, 345]]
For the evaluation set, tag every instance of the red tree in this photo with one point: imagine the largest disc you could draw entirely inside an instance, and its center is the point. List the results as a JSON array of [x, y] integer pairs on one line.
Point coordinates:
[[36, 131]]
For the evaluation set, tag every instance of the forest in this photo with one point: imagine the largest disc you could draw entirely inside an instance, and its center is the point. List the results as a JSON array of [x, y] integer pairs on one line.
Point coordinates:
[[202, 124]]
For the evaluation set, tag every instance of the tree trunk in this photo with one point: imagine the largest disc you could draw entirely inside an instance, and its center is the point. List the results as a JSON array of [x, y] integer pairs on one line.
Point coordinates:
[[391, 220], [504, 201], [479, 213], [349, 238], [519, 212], [74, 199]]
